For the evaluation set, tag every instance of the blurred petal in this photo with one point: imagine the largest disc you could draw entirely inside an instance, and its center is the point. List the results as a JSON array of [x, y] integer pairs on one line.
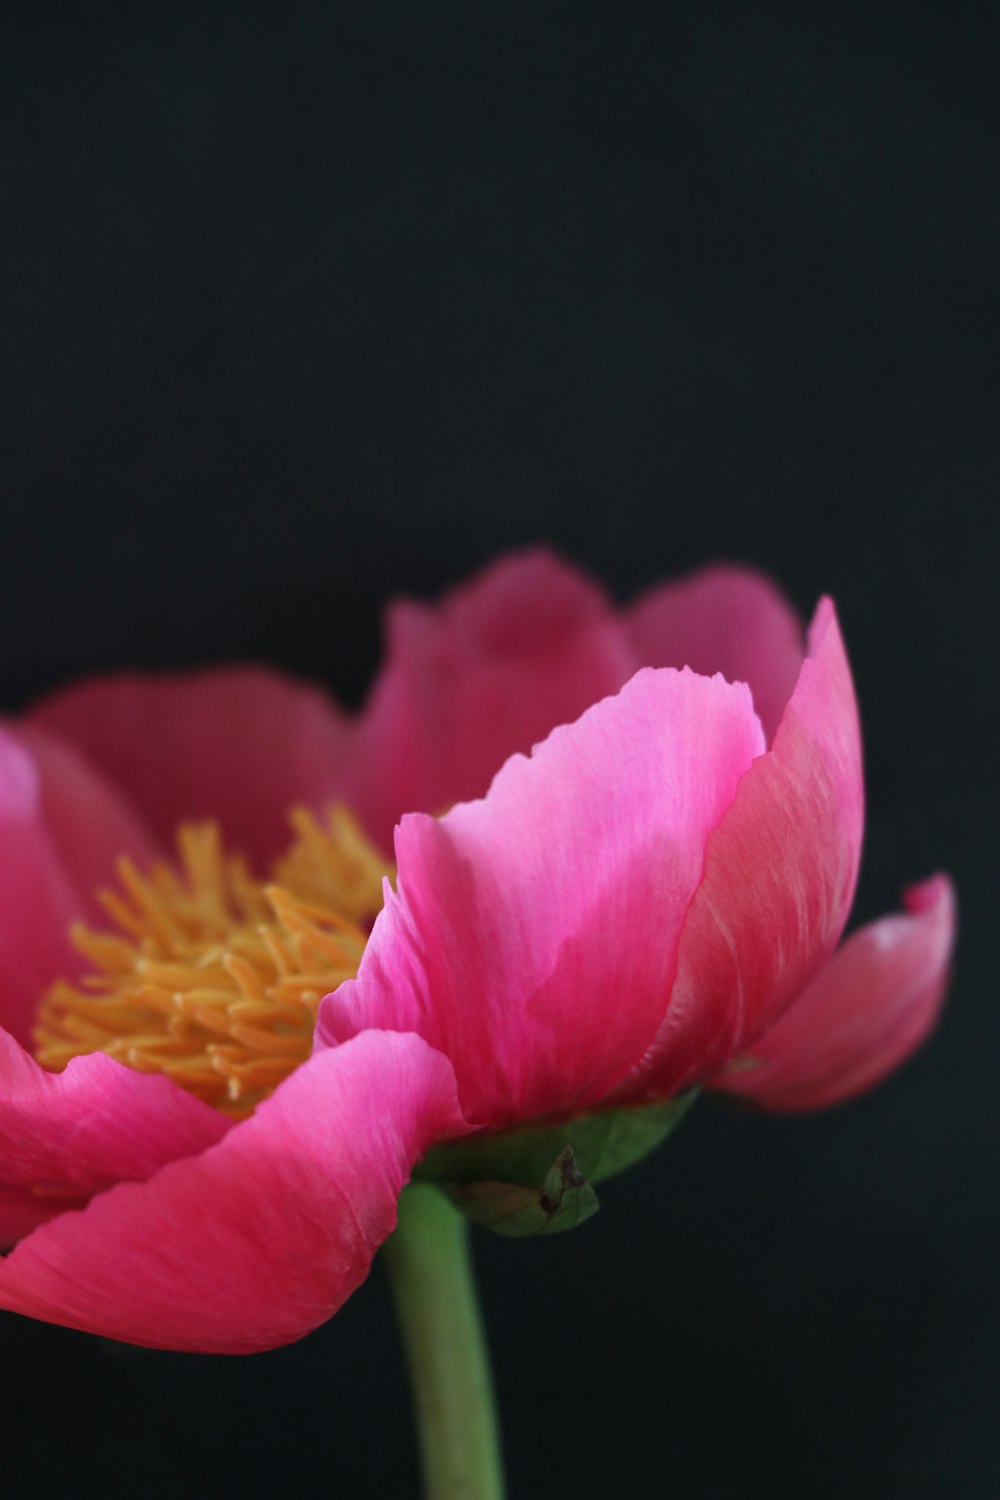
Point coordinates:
[[863, 1014], [259, 1239], [527, 645], [237, 744], [60, 826], [780, 873], [91, 824], [64, 1136], [724, 619], [534, 935]]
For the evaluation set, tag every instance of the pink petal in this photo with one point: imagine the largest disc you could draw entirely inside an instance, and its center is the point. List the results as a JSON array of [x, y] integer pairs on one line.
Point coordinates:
[[724, 619], [780, 874], [260, 1238], [60, 826], [863, 1015], [91, 824], [534, 934], [527, 645], [36, 895], [65, 1136], [238, 744]]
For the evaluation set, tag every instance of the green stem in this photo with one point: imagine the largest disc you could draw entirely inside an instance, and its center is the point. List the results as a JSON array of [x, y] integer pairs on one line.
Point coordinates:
[[431, 1277]]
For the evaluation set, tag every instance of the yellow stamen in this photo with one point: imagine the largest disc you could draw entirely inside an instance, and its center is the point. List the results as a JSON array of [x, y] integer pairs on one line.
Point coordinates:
[[214, 978]]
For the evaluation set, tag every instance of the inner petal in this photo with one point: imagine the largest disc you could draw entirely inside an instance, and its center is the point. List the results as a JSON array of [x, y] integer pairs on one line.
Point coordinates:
[[212, 977]]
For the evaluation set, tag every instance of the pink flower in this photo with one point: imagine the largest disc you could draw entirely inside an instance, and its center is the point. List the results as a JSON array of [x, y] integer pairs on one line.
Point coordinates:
[[652, 900]]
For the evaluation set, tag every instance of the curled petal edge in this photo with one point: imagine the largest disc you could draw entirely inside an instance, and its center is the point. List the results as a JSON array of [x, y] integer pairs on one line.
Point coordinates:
[[862, 1016], [257, 1240]]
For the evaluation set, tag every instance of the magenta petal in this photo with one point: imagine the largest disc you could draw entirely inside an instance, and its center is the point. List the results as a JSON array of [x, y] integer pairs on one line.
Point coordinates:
[[863, 1014], [780, 873], [61, 826], [533, 938], [724, 619], [237, 744], [527, 645], [259, 1239], [59, 823], [36, 895], [90, 823], [65, 1136]]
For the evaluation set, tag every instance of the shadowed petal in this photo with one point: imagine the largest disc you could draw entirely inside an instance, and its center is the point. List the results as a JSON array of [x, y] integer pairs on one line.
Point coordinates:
[[780, 873], [724, 619], [527, 645], [260, 1238], [237, 744], [533, 938], [64, 1136], [863, 1014]]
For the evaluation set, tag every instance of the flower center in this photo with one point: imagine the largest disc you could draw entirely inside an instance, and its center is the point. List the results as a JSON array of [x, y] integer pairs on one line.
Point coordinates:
[[212, 977]]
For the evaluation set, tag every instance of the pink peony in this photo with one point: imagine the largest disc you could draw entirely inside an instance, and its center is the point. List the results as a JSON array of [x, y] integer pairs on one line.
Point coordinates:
[[652, 900]]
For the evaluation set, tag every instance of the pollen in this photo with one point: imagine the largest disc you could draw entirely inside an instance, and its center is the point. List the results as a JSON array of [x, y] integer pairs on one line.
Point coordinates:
[[213, 977]]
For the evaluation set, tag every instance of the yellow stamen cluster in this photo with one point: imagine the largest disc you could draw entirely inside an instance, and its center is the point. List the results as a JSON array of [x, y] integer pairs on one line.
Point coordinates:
[[214, 978]]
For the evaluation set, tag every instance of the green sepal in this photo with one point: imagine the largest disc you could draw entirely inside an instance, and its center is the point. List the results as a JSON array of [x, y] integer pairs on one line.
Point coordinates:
[[562, 1200], [603, 1145]]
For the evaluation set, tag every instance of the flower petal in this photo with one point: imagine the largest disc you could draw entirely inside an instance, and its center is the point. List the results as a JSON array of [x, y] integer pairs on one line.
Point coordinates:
[[59, 823], [863, 1014], [534, 934], [237, 744], [91, 824], [262, 1237], [36, 895], [724, 619], [65, 1136], [780, 873], [527, 645]]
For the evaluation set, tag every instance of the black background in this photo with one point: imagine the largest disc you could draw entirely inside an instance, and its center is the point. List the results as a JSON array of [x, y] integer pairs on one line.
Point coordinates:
[[308, 305]]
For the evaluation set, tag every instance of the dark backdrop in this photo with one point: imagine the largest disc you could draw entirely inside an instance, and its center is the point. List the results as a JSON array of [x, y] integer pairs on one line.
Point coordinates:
[[311, 304]]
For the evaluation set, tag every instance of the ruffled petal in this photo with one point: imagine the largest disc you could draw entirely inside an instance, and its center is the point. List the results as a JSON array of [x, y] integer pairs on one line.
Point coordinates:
[[873, 1004], [534, 934], [724, 619], [237, 744], [262, 1237], [527, 645], [780, 874], [65, 1136]]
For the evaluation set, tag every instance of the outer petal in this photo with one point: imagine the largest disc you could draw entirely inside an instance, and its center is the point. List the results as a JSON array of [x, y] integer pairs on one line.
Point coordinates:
[[534, 935], [65, 1136], [261, 1238], [779, 878], [239, 744], [863, 1014], [724, 619], [59, 823], [527, 645]]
